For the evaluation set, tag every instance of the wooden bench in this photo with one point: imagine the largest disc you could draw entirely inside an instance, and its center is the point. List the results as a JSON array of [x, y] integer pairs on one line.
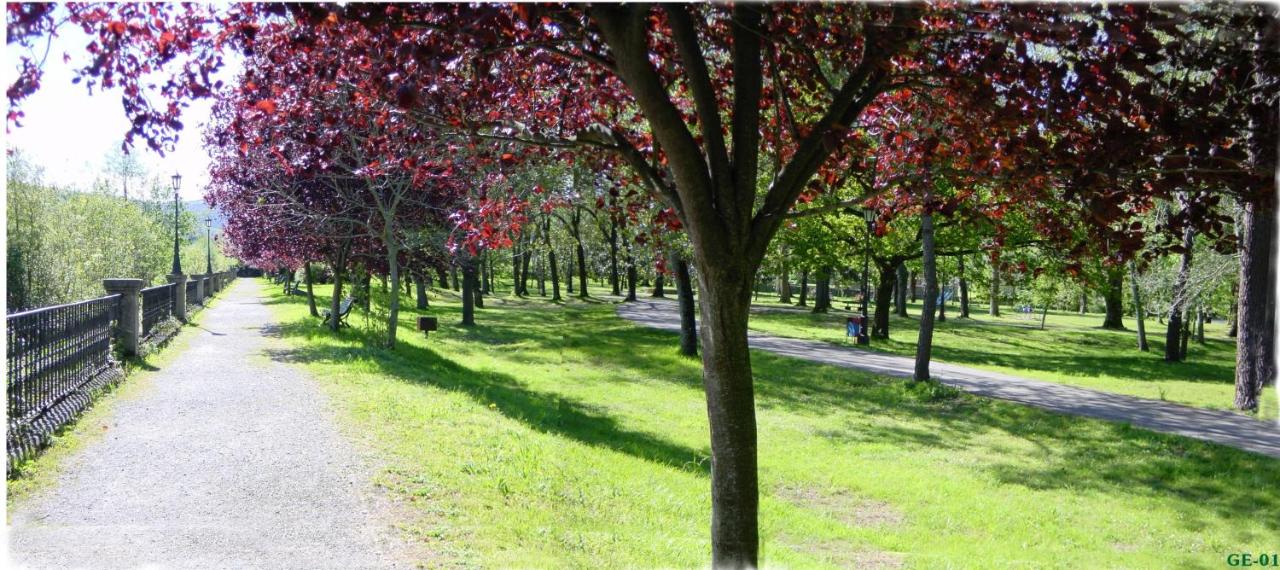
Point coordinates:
[[344, 309]]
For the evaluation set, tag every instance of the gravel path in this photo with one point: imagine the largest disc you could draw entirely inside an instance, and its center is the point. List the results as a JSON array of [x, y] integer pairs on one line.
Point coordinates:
[[1222, 427], [225, 459]]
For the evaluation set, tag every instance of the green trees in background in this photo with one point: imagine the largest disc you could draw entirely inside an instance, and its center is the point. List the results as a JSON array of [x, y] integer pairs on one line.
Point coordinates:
[[63, 243]]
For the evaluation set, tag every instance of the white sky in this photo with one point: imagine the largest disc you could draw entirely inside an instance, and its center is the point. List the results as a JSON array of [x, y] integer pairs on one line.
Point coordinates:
[[69, 132]]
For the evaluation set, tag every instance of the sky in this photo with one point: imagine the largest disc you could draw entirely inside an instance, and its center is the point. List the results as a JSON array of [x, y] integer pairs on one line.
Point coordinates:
[[69, 132]]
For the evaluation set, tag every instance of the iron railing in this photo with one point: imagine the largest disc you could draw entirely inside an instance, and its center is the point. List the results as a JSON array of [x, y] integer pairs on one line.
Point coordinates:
[[157, 305], [56, 357], [191, 293]]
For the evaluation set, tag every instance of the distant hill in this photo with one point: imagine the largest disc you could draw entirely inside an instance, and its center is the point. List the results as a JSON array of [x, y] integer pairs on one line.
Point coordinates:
[[202, 210]]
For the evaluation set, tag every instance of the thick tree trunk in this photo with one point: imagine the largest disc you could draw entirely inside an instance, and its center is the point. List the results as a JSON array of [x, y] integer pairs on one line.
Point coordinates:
[[994, 308], [822, 291], [804, 289], [924, 342], [469, 286], [1113, 296], [486, 274], [688, 309], [911, 288], [568, 274], [453, 273], [964, 291], [658, 286], [442, 277], [900, 295], [420, 284], [582, 271], [1255, 353], [884, 300], [311, 296], [1084, 303], [1137, 306], [726, 364], [1173, 331]]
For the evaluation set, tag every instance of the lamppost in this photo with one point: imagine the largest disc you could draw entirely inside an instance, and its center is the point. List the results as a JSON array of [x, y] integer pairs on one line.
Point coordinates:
[[177, 185], [208, 241], [869, 216]]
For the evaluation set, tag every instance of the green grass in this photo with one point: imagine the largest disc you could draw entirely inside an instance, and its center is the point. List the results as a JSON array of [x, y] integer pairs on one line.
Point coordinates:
[[563, 436], [1071, 350]]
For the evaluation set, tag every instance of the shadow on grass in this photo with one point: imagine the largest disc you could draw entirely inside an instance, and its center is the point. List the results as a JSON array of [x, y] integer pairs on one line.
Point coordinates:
[[1067, 453], [541, 411]]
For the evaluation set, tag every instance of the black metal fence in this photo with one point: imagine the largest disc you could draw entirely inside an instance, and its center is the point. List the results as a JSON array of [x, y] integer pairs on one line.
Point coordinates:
[[157, 305], [56, 356], [192, 299]]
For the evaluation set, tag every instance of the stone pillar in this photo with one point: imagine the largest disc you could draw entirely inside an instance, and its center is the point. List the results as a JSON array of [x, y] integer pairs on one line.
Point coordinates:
[[199, 288], [129, 332], [179, 296]]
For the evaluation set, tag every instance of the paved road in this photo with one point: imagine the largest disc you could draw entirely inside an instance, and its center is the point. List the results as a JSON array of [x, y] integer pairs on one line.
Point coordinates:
[[1222, 427], [225, 459]]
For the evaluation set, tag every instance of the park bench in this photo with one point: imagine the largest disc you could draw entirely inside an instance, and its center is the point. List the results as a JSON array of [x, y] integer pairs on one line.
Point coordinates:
[[296, 289], [344, 309]]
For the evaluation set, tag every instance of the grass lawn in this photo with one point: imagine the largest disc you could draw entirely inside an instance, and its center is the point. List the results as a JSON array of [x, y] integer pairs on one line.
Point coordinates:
[[563, 436], [1071, 350]]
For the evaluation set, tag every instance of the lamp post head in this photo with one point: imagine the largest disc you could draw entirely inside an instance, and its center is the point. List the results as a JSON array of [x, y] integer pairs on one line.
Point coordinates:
[[176, 181], [208, 222]]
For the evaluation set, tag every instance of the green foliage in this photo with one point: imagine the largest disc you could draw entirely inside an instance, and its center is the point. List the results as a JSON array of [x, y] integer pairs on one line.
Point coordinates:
[[63, 243]]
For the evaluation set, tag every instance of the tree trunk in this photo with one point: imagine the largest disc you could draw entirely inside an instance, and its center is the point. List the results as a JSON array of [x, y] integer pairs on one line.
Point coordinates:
[[420, 283], [393, 300], [784, 284], [311, 297], [568, 274], [631, 275], [688, 311], [1137, 306], [442, 277], [924, 342], [1044, 313], [804, 288], [366, 289], [994, 309], [822, 291], [726, 365], [1173, 331], [911, 289], [486, 274], [453, 272], [658, 286], [526, 259], [336, 301], [468, 294], [1084, 303], [1113, 296], [1255, 353], [884, 300], [1186, 334], [964, 291], [582, 270], [1200, 325], [551, 260], [614, 277], [1232, 319], [900, 296]]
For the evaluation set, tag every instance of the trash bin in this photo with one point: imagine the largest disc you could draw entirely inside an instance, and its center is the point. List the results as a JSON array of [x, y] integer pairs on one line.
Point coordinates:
[[856, 327]]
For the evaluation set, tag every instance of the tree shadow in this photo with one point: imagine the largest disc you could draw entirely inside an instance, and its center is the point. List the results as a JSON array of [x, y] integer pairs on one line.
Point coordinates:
[[541, 411]]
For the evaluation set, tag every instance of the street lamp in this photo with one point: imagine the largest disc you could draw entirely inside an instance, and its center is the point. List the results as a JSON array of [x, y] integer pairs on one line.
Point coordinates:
[[869, 216], [177, 185], [208, 241]]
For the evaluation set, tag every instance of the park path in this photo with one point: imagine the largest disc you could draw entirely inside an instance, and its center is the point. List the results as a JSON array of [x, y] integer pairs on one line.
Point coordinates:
[[223, 459], [1222, 427]]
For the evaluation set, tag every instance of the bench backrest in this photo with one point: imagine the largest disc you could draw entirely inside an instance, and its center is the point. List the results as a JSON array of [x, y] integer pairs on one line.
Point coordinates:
[[345, 307]]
